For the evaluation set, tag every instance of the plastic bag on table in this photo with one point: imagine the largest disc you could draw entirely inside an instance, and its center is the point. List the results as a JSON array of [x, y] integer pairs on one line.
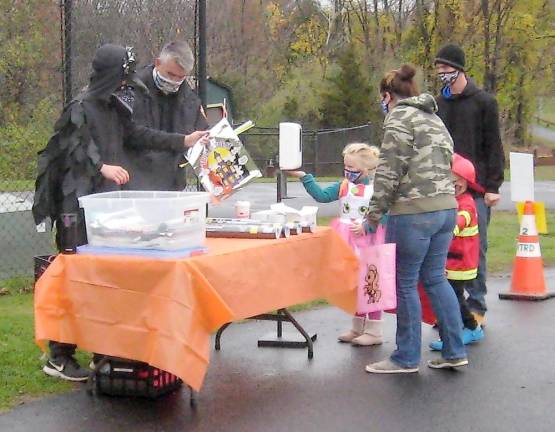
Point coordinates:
[[223, 166]]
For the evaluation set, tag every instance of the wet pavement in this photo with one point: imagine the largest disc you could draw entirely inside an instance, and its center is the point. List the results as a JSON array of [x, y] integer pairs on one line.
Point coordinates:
[[262, 195], [508, 386]]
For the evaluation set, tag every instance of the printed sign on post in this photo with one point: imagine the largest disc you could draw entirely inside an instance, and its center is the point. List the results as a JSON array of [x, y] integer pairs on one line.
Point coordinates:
[[522, 176]]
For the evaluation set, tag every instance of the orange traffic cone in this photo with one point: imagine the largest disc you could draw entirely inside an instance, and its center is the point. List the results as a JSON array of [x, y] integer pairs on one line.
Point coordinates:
[[528, 282]]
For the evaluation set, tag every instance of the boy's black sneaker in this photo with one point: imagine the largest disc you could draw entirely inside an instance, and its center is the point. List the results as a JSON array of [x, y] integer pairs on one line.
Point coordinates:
[[66, 368]]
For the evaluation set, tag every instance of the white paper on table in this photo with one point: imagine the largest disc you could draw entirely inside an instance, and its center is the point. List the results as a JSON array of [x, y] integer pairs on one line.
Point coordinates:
[[307, 214], [522, 176]]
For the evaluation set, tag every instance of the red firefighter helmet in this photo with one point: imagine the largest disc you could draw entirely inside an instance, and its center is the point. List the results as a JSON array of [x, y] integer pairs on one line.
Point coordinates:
[[465, 169]]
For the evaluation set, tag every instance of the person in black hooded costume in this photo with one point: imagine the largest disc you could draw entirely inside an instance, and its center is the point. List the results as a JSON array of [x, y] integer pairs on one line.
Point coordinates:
[[172, 106], [86, 155]]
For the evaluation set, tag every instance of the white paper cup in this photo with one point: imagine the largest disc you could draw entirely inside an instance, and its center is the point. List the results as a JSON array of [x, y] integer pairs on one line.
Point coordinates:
[[242, 209]]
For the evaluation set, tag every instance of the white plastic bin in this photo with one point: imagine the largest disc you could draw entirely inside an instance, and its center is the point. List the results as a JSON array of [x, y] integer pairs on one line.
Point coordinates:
[[146, 219]]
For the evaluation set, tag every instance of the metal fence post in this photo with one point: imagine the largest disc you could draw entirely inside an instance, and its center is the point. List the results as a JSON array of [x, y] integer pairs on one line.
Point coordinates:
[[316, 149], [67, 84], [278, 186]]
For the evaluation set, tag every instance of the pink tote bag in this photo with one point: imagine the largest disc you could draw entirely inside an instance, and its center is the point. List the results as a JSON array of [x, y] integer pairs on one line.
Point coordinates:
[[377, 279]]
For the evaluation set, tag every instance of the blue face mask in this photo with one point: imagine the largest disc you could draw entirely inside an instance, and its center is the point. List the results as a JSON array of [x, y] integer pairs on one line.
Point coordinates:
[[384, 106], [352, 176]]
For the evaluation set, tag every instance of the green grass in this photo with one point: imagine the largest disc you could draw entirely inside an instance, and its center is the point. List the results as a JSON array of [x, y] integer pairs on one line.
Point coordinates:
[[17, 185], [502, 233], [541, 142], [548, 109], [541, 173], [21, 377]]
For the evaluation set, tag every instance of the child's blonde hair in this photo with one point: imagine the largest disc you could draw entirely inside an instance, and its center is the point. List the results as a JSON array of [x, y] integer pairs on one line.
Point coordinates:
[[366, 154]]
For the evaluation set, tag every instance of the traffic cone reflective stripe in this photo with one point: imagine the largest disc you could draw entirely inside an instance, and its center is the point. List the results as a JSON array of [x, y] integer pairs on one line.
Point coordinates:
[[528, 247], [528, 281]]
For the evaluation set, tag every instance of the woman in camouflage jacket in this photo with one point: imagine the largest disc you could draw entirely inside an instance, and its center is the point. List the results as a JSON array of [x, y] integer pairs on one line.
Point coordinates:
[[414, 183]]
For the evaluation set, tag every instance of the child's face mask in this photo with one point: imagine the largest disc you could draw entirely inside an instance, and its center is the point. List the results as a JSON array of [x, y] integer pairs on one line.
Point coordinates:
[[352, 176]]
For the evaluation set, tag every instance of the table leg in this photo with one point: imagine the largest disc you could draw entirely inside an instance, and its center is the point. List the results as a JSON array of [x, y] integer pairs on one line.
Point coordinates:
[[278, 341], [289, 341], [192, 398], [219, 336], [309, 339], [279, 324]]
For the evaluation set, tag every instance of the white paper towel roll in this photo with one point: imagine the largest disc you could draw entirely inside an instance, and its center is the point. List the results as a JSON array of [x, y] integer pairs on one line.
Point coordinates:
[[290, 146]]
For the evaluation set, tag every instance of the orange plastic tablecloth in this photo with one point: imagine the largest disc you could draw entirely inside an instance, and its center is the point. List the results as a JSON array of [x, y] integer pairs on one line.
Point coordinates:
[[162, 311]]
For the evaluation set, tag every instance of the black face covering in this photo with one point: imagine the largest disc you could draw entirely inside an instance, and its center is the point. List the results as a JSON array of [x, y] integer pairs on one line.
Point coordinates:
[[112, 64], [125, 98]]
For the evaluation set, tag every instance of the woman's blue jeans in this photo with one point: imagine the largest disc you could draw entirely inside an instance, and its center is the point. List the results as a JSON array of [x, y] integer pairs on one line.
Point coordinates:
[[422, 244]]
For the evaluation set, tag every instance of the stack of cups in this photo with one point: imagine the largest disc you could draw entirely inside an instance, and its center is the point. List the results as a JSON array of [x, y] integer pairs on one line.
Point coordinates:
[[242, 209]]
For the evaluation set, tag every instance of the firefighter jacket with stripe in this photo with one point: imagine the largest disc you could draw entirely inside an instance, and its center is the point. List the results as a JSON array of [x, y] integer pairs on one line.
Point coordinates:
[[464, 252]]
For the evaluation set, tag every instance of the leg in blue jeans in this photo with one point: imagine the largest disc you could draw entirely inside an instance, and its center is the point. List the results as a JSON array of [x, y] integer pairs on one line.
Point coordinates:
[[477, 290], [422, 244]]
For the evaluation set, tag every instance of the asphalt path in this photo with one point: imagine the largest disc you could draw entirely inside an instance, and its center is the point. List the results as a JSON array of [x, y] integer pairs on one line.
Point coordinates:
[[508, 386]]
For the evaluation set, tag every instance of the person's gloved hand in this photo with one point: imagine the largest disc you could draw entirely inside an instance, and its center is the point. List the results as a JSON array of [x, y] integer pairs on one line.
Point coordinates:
[[358, 229], [368, 226]]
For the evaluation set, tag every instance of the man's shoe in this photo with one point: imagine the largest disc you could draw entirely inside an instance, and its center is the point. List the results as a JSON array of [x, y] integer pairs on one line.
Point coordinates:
[[442, 363], [388, 367], [471, 336], [66, 368]]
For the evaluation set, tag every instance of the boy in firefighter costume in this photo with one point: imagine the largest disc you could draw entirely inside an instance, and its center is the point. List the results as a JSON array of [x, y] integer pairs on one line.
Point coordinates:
[[354, 194], [463, 256]]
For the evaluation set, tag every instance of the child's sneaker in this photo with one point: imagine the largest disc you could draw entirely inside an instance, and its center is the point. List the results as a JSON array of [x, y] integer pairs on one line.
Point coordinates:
[[471, 336], [436, 345]]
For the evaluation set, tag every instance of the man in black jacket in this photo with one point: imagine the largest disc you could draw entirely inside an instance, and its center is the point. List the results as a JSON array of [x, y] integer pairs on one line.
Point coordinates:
[[170, 106], [472, 118]]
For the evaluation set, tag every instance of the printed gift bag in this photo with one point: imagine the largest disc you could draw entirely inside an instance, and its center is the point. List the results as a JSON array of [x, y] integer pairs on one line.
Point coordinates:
[[223, 166], [377, 282]]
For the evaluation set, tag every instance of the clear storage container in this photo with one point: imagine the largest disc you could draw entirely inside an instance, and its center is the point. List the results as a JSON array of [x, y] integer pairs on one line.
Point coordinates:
[[146, 219]]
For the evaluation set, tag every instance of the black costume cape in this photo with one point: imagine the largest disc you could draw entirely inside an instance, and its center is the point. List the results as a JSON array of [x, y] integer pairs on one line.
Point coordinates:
[[92, 131]]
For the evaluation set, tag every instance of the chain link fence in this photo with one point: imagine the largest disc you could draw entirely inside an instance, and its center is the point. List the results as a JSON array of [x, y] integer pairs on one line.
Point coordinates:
[[322, 148], [20, 241], [83, 26]]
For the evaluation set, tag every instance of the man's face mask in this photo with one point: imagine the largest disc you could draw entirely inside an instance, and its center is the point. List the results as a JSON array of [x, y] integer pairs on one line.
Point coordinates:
[[352, 176], [448, 78], [164, 84]]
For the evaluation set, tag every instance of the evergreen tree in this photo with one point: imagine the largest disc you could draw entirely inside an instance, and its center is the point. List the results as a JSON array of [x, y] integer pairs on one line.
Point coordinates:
[[346, 102]]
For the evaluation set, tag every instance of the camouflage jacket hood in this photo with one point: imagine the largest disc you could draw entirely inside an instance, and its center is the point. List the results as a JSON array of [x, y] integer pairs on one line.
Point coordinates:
[[414, 171], [425, 102]]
